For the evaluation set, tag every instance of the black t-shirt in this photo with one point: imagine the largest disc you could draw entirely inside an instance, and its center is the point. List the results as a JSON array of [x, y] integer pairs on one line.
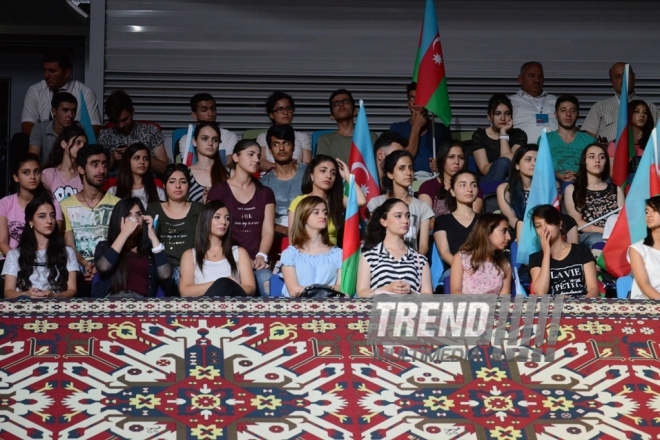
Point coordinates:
[[456, 232], [492, 146], [567, 275]]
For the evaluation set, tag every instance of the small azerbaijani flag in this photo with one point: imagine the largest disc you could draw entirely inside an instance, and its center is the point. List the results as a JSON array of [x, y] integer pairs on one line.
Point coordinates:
[[624, 149], [86, 121], [188, 151], [630, 227], [361, 159], [351, 243], [429, 70], [542, 192]]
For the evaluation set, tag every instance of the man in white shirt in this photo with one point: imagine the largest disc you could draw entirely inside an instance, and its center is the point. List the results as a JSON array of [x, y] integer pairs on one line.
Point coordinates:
[[57, 78], [533, 109], [602, 118]]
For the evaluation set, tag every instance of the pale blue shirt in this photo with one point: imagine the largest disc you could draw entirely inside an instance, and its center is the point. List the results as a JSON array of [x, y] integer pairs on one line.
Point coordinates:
[[312, 269]]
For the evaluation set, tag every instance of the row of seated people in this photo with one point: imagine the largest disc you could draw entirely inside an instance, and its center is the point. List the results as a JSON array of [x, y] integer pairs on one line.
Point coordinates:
[[250, 209]]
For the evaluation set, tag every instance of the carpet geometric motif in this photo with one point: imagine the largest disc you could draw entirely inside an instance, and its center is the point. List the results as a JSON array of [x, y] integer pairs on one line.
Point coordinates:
[[253, 369]]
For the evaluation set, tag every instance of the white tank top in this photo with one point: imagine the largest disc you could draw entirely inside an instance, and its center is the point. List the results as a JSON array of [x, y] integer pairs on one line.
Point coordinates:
[[215, 269]]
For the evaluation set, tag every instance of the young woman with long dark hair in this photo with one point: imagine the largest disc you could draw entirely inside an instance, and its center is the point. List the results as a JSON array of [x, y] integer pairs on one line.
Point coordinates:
[[214, 266], [60, 175], [208, 170], [136, 178], [640, 122], [387, 264], [132, 262], [41, 266], [644, 256]]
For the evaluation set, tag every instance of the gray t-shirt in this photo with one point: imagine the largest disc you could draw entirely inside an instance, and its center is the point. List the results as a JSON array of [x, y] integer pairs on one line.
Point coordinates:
[[42, 136], [285, 191]]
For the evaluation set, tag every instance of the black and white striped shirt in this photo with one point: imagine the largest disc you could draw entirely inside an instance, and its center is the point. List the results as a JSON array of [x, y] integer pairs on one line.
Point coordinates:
[[385, 269], [196, 192]]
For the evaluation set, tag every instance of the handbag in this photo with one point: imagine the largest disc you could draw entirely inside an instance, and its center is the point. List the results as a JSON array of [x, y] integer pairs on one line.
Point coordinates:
[[320, 291]]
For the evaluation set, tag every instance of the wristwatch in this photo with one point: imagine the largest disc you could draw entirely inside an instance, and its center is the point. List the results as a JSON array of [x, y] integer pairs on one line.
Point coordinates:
[[160, 247], [262, 255], [504, 136]]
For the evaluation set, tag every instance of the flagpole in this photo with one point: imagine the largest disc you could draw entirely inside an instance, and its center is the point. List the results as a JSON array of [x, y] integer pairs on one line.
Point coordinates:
[[602, 217], [433, 137]]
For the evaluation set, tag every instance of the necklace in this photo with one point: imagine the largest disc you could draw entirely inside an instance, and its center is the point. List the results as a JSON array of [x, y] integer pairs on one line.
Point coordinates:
[[89, 205]]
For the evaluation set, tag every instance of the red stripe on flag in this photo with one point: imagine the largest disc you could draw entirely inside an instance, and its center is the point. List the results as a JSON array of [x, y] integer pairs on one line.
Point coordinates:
[[432, 71], [616, 248], [654, 181], [621, 159], [352, 245]]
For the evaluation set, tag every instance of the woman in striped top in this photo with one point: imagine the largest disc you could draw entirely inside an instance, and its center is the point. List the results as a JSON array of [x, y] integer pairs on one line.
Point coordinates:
[[387, 264], [209, 169]]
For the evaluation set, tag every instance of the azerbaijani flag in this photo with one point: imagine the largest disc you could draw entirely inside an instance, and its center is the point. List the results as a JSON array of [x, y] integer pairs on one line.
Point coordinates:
[[189, 150], [351, 243], [86, 121], [624, 148], [631, 224], [361, 159], [542, 192], [429, 71]]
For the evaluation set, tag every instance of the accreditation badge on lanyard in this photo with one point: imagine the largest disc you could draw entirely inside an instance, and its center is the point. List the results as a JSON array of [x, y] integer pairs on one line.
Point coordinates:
[[542, 119]]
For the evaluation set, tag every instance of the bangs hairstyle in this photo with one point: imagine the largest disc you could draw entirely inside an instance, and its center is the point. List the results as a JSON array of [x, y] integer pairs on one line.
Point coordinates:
[[443, 155], [125, 176], [304, 209], [218, 170], [335, 194], [388, 167], [69, 135], [654, 204], [478, 244], [284, 132], [581, 179], [40, 190], [56, 256], [122, 210], [496, 100], [203, 240], [375, 230], [515, 185], [450, 199]]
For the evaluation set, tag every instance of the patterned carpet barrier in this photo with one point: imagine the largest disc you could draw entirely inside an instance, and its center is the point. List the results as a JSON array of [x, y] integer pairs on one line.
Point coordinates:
[[252, 369]]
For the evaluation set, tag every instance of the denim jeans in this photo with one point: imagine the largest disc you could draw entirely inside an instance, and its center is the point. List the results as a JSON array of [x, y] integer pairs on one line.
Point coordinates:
[[499, 170], [262, 276]]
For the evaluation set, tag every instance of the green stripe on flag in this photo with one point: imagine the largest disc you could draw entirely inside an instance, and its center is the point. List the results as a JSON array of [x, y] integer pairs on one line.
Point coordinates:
[[349, 269], [439, 103]]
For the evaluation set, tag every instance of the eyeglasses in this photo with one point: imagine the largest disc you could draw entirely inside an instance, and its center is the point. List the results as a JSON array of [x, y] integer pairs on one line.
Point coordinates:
[[339, 102], [282, 110]]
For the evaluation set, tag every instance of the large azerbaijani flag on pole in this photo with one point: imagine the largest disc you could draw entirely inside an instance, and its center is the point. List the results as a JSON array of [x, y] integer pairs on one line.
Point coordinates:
[[631, 224], [625, 149], [351, 242], [542, 192], [361, 159], [429, 71]]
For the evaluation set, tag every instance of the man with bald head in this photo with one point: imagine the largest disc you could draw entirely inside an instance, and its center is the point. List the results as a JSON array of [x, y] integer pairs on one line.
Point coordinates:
[[602, 118]]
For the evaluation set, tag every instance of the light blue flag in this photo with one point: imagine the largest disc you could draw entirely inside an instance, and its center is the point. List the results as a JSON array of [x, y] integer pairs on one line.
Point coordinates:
[[542, 192], [86, 121]]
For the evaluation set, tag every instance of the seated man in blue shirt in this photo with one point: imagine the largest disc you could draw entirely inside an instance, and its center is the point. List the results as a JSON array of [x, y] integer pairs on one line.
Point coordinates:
[[417, 130]]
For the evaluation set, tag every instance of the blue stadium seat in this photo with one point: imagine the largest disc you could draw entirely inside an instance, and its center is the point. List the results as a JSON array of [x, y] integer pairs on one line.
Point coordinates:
[[623, 286]]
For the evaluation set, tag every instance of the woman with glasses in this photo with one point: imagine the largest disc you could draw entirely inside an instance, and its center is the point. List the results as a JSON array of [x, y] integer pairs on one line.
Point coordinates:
[[280, 108]]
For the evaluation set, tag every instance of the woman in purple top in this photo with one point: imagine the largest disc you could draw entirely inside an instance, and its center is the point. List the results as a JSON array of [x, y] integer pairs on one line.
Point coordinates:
[[252, 208]]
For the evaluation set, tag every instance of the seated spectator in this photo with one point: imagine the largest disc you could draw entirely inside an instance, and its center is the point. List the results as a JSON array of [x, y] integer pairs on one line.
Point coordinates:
[[433, 192], [592, 196], [87, 213], [286, 178], [493, 147], [602, 118], [57, 78], [397, 179], [132, 262], [135, 178], [387, 264], [452, 230], [43, 135], [175, 219], [126, 131], [418, 131], [40, 266], [387, 142], [310, 259], [60, 176], [481, 266], [280, 108], [252, 209], [644, 256], [342, 110], [12, 208], [567, 143], [512, 195], [320, 179], [560, 268], [214, 267], [209, 169], [641, 125], [204, 109], [532, 106]]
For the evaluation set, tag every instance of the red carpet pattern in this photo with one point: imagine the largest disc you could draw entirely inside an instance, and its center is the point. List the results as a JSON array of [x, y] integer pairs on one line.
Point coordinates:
[[252, 369]]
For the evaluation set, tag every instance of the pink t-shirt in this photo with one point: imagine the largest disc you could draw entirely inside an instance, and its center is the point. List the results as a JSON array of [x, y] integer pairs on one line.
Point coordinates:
[[60, 187], [15, 215], [486, 280]]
